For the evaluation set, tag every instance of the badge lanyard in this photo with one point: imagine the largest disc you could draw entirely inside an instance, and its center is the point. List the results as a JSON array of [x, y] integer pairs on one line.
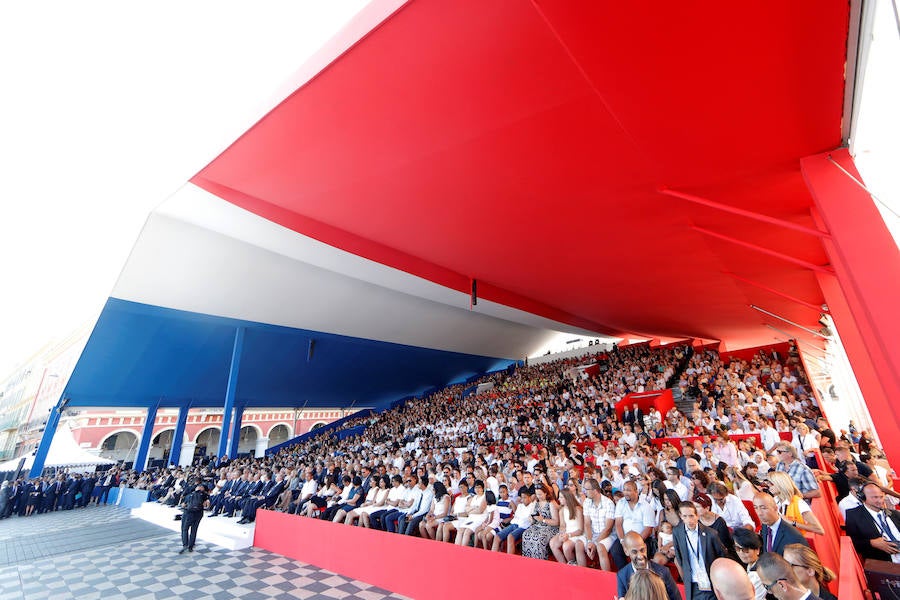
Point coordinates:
[[700, 564]]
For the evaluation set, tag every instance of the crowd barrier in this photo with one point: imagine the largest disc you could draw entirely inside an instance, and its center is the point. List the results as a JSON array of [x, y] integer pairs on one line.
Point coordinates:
[[130, 497], [421, 568]]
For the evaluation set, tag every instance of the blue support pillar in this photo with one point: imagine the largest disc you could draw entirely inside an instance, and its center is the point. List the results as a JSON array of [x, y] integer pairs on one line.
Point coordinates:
[[140, 462], [37, 468], [230, 390], [235, 431], [175, 451]]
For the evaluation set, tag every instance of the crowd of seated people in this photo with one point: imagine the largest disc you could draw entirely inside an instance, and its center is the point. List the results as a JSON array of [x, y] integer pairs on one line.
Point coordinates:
[[542, 464]]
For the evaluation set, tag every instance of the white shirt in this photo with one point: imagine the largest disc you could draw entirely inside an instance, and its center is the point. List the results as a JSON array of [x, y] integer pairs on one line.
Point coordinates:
[[636, 518], [679, 488], [396, 494], [599, 513], [522, 516], [310, 487], [770, 438], [695, 552], [427, 496], [847, 502], [876, 516], [734, 513]]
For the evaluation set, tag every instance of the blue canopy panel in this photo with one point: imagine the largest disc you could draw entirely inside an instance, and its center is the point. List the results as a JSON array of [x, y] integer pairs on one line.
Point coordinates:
[[139, 354]]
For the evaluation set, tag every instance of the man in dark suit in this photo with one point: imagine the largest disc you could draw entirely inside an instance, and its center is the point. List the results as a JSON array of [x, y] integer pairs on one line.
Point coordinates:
[[366, 480], [696, 547], [873, 528], [52, 491], [780, 580], [627, 417], [638, 415], [72, 486], [265, 499], [636, 549], [233, 497], [776, 533], [216, 500]]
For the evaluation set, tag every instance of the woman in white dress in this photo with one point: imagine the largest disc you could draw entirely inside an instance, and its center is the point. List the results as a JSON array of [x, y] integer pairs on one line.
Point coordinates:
[[446, 527], [572, 529], [364, 511], [475, 515], [440, 507]]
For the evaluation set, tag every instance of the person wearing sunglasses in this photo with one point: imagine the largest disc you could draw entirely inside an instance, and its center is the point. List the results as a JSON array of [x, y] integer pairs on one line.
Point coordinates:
[[778, 577], [748, 546]]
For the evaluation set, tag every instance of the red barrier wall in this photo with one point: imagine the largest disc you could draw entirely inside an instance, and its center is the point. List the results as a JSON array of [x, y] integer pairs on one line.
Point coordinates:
[[421, 568], [851, 578], [662, 400], [748, 353]]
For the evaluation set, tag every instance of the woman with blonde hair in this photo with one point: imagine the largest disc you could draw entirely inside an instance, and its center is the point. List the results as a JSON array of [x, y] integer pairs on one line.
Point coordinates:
[[791, 504], [810, 571], [646, 585]]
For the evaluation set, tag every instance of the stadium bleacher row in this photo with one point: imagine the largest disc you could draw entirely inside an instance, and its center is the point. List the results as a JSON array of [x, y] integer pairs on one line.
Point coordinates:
[[573, 420]]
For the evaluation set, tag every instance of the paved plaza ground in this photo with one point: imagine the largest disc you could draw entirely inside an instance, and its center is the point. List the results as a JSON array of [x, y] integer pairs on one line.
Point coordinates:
[[101, 552]]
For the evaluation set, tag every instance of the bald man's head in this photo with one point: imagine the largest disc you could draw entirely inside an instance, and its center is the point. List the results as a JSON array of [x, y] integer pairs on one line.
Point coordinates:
[[766, 509], [730, 580], [636, 549]]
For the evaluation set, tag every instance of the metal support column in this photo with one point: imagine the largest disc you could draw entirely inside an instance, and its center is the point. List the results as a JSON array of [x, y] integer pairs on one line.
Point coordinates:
[[231, 390]]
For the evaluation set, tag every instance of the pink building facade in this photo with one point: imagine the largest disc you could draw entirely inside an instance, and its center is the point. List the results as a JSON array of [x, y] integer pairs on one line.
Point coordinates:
[[116, 434]]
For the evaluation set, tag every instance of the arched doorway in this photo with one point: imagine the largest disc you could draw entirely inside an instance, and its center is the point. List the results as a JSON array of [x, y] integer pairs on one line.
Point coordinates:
[[161, 445], [120, 446], [279, 434], [207, 442], [317, 425], [247, 440]]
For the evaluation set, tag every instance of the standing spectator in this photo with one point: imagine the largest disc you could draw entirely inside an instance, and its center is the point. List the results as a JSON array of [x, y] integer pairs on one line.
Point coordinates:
[[107, 481], [778, 577], [696, 547], [730, 581], [4, 498], [748, 546], [636, 549], [775, 532], [810, 571]]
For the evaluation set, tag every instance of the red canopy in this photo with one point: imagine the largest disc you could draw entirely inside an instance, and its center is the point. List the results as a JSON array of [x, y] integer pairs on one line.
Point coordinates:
[[525, 144]]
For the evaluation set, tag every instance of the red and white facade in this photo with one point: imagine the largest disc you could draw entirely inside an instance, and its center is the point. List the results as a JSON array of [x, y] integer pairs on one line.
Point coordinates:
[[115, 434]]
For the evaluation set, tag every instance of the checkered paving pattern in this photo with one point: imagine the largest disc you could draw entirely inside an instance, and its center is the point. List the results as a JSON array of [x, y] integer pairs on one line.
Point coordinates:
[[69, 537], [152, 568], [101, 552], [78, 518]]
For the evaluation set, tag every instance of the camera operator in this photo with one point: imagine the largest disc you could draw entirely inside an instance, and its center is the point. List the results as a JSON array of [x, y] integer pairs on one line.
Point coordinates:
[[193, 505]]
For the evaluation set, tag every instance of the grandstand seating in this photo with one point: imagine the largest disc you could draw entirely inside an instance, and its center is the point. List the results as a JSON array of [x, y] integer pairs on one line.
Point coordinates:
[[517, 390]]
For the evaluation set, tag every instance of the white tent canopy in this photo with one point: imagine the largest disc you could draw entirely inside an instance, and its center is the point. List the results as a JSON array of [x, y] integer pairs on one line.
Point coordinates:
[[64, 452]]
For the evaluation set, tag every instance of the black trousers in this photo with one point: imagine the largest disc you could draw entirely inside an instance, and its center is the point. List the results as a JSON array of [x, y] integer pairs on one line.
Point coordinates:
[[190, 522]]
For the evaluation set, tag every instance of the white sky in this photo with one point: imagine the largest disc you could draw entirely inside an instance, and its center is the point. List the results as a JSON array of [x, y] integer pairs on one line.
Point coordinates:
[[106, 108]]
